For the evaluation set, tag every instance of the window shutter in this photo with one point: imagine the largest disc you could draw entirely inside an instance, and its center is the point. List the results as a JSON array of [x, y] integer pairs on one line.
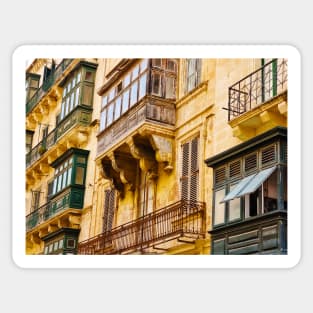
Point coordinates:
[[185, 171], [220, 175], [109, 207], [190, 170], [235, 169], [251, 162], [194, 179], [268, 155], [35, 199]]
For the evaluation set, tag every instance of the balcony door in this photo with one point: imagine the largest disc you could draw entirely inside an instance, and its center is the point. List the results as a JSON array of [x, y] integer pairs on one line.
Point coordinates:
[[269, 78]]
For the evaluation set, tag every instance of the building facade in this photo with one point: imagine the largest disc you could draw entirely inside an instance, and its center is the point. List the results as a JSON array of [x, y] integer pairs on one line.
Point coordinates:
[[156, 156]]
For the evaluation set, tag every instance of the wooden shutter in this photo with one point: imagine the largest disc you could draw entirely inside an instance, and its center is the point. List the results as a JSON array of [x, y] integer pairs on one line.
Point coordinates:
[[109, 208], [194, 174], [185, 171], [35, 199], [268, 155], [190, 170]]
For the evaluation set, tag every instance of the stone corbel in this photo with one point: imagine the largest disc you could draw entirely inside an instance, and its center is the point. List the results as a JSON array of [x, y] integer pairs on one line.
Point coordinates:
[[37, 116], [163, 151], [147, 162], [126, 171], [82, 137], [74, 221], [56, 93], [44, 108], [30, 123], [44, 168]]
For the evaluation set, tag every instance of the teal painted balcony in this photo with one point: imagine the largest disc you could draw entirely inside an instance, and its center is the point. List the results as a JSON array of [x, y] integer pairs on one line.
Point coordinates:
[[51, 79], [81, 115]]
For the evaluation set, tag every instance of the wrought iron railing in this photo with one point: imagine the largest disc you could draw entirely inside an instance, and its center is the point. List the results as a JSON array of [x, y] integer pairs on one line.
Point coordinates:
[[182, 218], [54, 75], [257, 88], [48, 210], [80, 115]]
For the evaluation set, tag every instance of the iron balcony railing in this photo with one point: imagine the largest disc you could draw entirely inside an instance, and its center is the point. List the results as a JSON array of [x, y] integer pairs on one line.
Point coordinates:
[[80, 115], [48, 210], [180, 219], [54, 75], [257, 88]]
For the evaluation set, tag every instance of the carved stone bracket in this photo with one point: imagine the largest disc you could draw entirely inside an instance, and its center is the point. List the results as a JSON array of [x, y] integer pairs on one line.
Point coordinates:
[[163, 150], [125, 168], [146, 159]]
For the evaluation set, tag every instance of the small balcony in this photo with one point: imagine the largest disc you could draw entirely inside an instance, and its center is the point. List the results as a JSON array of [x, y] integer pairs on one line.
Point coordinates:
[[52, 78], [182, 222], [79, 116], [258, 102]]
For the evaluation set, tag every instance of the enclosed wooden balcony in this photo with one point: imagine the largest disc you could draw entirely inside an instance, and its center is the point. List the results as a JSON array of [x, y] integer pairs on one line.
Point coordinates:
[[61, 205], [150, 114], [80, 116], [51, 79], [258, 102], [181, 222]]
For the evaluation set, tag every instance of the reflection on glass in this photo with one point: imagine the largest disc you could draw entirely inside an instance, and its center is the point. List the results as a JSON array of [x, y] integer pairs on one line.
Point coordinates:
[[126, 80], [102, 119], [77, 97], [69, 176], [104, 101], [135, 72], [79, 179], [117, 108], [110, 114], [234, 207], [133, 93], [111, 94], [142, 86], [143, 65], [125, 101], [219, 208]]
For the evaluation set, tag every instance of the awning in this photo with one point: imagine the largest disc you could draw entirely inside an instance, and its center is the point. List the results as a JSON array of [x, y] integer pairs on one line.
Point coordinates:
[[240, 186], [249, 184]]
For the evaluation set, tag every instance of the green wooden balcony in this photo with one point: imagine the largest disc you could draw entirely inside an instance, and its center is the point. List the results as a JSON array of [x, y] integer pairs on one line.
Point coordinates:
[[71, 198], [81, 115], [52, 78]]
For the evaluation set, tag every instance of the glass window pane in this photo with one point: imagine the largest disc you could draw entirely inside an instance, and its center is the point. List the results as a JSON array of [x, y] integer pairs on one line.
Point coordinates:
[[142, 86], [110, 114], [68, 87], [77, 97], [111, 94], [74, 82], [89, 76], [104, 101], [102, 119], [64, 179], [156, 84], [72, 101], [135, 72], [62, 110], [133, 93], [79, 179], [78, 77], [67, 106], [126, 80], [234, 207], [60, 243], [54, 186], [143, 65], [46, 250], [50, 248], [117, 108], [59, 182], [125, 101], [170, 88], [87, 94], [219, 208], [69, 176], [64, 92], [55, 246]]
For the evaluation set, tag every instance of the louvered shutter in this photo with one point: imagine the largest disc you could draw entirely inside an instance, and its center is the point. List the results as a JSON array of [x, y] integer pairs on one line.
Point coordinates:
[[190, 170], [194, 173], [109, 201], [185, 171]]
